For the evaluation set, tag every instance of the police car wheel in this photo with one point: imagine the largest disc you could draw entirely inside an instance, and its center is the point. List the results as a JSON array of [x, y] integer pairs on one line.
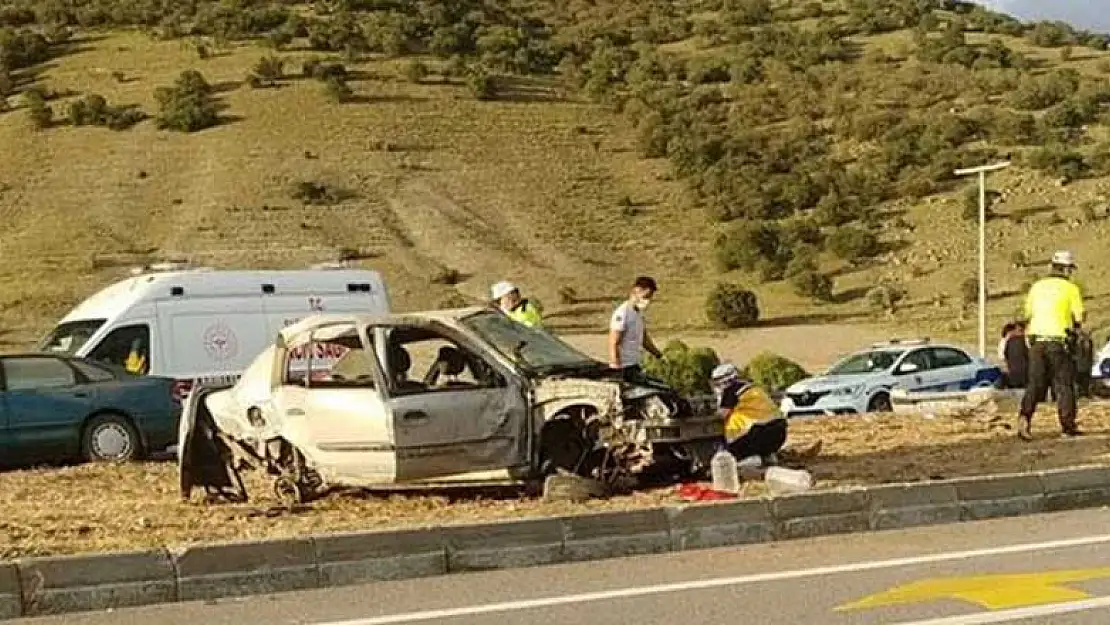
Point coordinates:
[[880, 403], [110, 438]]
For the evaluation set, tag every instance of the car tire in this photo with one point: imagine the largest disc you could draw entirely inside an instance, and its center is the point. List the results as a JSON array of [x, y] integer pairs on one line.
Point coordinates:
[[110, 437], [880, 403], [566, 487]]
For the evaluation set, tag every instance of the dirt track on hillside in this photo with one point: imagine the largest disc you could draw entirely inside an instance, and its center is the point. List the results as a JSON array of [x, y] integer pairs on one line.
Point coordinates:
[[108, 508]]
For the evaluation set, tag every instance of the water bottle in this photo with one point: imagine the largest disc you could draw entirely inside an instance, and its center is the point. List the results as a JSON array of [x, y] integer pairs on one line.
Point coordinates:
[[783, 481], [722, 466]]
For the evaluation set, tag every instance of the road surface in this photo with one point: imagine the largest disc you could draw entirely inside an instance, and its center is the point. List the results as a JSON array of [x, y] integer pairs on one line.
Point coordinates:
[[1024, 571]]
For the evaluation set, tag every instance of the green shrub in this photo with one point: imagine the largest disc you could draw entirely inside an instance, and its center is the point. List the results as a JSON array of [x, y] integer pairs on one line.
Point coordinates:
[[338, 90], [773, 372], [684, 369], [813, 284], [853, 244], [40, 113], [743, 246], [187, 106], [482, 85], [732, 306], [416, 71]]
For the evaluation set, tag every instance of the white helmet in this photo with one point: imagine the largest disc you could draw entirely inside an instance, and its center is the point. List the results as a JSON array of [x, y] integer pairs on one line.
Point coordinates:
[[724, 374], [1063, 258], [501, 289]]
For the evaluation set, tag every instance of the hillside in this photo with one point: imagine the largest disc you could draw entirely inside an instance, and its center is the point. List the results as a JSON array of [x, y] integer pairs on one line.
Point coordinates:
[[566, 145]]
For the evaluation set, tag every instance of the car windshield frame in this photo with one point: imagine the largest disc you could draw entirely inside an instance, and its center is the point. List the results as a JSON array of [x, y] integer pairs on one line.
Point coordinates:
[[533, 349], [847, 365], [89, 328]]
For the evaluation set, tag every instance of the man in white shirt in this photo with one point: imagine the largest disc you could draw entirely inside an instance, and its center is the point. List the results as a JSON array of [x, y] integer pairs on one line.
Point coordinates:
[[628, 335]]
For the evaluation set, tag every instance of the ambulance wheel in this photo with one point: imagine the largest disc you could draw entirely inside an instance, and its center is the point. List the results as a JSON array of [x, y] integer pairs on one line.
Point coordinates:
[[110, 437]]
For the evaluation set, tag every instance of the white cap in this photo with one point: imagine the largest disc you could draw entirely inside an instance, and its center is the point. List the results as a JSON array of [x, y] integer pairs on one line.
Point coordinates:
[[1063, 258], [501, 289]]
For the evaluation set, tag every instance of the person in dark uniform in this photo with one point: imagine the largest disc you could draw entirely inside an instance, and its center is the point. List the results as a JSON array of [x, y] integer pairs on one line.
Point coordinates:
[[1054, 308], [1015, 354]]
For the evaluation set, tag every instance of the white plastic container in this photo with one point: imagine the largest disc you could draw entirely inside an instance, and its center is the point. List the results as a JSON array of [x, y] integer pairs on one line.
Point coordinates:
[[726, 477], [783, 481], [751, 468]]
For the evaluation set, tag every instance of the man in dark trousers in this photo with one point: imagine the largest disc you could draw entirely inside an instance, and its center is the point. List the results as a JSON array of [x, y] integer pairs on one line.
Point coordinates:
[[1053, 307]]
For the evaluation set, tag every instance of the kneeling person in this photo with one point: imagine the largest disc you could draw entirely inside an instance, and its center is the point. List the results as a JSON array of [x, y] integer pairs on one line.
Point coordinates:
[[754, 426]]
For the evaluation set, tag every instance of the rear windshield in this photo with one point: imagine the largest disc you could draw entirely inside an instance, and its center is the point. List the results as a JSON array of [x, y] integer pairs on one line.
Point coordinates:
[[67, 338]]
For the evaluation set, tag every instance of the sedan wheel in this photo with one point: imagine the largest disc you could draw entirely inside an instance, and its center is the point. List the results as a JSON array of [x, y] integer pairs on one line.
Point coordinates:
[[110, 438]]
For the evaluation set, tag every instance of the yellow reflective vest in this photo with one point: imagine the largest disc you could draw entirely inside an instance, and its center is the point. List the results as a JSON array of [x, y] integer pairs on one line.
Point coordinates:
[[753, 406], [526, 313]]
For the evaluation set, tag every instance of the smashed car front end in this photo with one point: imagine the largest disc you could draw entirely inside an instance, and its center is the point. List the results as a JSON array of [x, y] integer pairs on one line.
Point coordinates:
[[630, 430]]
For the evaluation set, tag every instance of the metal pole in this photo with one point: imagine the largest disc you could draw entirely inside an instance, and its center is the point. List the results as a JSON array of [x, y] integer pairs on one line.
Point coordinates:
[[982, 264], [982, 171]]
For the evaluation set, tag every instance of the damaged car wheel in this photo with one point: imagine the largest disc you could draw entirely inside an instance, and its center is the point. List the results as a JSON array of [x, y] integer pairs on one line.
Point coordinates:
[[288, 491], [572, 488]]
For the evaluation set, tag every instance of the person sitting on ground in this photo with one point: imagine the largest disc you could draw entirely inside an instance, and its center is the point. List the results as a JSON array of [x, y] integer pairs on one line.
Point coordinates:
[[754, 425]]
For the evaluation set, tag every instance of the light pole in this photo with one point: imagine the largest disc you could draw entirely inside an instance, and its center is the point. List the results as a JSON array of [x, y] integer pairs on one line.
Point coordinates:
[[982, 171]]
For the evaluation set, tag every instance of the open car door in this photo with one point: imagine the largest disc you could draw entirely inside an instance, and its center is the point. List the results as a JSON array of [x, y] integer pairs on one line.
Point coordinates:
[[456, 410]]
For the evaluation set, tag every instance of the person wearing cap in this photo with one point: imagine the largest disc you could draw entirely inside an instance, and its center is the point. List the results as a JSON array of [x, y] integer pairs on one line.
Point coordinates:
[[754, 425], [523, 311], [1053, 309], [628, 335]]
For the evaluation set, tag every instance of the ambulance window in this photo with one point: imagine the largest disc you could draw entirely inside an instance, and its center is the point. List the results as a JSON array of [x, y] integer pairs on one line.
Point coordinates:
[[127, 347]]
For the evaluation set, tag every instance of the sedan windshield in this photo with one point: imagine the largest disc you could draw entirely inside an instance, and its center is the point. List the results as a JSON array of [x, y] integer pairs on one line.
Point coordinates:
[[69, 337], [865, 362], [534, 349]]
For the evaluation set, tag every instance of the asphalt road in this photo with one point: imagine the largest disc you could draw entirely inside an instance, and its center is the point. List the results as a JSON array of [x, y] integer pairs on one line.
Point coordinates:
[[1030, 570]]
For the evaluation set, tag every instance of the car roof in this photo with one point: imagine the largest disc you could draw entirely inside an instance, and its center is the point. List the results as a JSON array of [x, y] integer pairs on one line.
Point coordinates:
[[450, 317]]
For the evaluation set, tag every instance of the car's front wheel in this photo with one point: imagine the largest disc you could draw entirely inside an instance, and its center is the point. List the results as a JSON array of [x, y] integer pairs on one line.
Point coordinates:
[[880, 403], [110, 438]]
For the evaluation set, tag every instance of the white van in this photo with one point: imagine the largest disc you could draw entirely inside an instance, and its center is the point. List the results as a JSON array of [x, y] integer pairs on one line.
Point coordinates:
[[201, 324]]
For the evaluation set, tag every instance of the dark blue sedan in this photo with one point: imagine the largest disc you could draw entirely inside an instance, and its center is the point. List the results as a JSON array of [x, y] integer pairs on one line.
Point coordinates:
[[55, 408]]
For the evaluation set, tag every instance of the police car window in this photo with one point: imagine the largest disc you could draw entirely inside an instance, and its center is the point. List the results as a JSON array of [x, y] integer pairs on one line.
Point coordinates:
[[919, 358], [866, 362], [948, 357]]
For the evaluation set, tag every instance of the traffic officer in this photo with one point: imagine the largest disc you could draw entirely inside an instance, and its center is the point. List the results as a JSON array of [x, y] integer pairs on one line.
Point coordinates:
[[523, 311], [1054, 306]]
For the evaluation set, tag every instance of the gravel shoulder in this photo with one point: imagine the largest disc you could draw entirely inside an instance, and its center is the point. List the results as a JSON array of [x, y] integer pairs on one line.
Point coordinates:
[[93, 508]]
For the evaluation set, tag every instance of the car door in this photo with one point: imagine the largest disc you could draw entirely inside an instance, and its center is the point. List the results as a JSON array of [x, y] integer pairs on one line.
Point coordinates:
[[46, 405], [332, 406], [915, 372], [466, 424], [955, 369]]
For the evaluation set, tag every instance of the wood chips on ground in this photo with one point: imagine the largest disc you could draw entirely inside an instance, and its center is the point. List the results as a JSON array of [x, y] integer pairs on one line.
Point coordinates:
[[111, 508]]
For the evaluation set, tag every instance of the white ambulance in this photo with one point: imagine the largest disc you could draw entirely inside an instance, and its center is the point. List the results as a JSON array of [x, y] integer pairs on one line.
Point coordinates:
[[202, 324]]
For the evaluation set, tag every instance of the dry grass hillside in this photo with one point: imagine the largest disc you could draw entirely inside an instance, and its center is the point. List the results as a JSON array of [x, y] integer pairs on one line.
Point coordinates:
[[452, 158]]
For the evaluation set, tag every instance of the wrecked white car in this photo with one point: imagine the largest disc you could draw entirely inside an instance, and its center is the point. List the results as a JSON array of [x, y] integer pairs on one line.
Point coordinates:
[[461, 396]]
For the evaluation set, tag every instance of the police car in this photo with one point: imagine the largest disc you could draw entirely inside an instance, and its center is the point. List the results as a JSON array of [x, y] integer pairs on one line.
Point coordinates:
[[1100, 372], [862, 382]]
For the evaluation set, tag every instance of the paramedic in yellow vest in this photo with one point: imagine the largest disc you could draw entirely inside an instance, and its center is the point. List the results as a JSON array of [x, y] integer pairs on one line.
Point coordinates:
[[1053, 307], [136, 358], [754, 426], [523, 311]]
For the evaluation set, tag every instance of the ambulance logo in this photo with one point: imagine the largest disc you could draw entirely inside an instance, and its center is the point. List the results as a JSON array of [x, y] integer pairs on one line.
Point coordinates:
[[220, 342]]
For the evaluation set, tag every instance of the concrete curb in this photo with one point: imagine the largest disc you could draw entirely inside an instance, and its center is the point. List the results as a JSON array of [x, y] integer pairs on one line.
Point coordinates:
[[38, 586]]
